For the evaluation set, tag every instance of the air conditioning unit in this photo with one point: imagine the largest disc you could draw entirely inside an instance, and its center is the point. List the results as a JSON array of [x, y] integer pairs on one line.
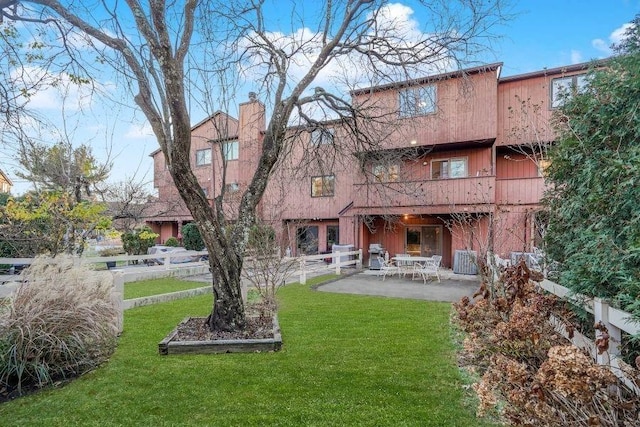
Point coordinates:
[[465, 262]]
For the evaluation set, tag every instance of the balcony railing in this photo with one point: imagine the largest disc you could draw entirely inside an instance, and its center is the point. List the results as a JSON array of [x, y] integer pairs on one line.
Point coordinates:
[[424, 193], [519, 191]]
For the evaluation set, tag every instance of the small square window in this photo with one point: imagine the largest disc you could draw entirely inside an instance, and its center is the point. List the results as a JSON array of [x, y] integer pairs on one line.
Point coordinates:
[[230, 150], [563, 88], [232, 187], [417, 101], [449, 168], [543, 165], [386, 173], [322, 186], [322, 136], [203, 157]]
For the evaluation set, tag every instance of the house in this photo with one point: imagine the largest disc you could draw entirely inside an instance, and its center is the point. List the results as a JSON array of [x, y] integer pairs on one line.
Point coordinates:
[[5, 183], [458, 165]]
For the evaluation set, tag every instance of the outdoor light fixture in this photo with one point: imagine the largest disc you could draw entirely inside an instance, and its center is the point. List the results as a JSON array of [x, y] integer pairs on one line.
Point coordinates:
[[413, 142]]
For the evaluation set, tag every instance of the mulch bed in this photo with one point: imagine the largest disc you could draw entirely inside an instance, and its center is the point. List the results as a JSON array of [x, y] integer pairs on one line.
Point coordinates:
[[196, 329]]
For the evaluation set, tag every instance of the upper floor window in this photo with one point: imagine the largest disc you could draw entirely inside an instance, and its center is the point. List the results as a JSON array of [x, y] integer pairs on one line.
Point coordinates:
[[449, 168], [322, 136], [230, 150], [417, 101], [386, 172], [563, 87], [323, 186], [203, 157]]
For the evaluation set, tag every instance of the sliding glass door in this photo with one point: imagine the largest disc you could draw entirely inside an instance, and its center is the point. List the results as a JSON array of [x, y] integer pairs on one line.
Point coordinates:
[[425, 240]]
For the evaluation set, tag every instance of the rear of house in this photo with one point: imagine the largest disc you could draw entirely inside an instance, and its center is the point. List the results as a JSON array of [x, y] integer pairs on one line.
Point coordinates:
[[458, 168]]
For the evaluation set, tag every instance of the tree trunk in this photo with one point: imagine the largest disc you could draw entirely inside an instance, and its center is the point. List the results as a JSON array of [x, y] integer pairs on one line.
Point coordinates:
[[225, 258], [225, 265], [226, 308]]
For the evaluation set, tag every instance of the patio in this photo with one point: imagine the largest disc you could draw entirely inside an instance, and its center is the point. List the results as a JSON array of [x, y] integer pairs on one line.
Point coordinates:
[[451, 288]]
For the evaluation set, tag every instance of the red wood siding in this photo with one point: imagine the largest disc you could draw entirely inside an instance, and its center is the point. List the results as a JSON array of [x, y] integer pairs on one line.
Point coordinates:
[[432, 196], [476, 107], [392, 236], [524, 111], [520, 191], [463, 113], [515, 165]]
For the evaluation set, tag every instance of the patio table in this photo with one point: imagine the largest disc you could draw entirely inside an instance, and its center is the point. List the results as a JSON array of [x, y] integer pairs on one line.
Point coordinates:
[[405, 263]]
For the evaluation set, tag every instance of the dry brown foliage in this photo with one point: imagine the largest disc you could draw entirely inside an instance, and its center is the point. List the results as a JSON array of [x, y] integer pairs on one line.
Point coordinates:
[[530, 373]]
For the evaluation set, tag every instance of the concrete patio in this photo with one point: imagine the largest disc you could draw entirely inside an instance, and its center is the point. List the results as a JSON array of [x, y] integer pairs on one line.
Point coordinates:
[[451, 288]]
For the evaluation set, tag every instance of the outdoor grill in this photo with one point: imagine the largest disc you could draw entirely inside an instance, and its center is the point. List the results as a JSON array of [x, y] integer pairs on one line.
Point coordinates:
[[375, 250]]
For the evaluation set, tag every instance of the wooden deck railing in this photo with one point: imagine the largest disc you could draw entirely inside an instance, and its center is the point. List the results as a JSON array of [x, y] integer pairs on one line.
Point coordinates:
[[437, 192], [519, 191]]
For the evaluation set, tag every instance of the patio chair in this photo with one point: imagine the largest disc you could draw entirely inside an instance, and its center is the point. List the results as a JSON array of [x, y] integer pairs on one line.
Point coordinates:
[[428, 268], [387, 267]]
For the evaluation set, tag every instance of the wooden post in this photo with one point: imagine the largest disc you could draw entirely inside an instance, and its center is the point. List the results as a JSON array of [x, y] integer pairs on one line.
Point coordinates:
[[359, 261], [601, 314], [337, 259], [303, 273], [118, 296]]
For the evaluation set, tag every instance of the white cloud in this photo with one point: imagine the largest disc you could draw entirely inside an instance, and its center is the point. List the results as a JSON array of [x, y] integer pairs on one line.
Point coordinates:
[[139, 131], [614, 38], [48, 91], [394, 24], [619, 34], [601, 45]]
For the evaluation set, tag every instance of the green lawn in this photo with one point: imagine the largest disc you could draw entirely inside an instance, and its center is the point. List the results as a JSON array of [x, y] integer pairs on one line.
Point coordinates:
[[145, 288], [346, 361]]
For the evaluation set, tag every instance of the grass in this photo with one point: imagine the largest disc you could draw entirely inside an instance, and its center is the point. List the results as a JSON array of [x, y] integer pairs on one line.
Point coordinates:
[[145, 288], [347, 360]]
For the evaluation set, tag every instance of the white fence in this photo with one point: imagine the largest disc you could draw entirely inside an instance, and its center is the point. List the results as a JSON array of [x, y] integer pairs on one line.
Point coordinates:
[[159, 261], [173, 264], [319, 264], [616, 321]]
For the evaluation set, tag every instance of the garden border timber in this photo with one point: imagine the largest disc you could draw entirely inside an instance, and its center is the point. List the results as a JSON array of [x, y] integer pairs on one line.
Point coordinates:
[[168, 347]]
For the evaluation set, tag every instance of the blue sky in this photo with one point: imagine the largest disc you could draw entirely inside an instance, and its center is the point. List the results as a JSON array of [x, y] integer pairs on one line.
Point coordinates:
[[543, 34], [547, 33]]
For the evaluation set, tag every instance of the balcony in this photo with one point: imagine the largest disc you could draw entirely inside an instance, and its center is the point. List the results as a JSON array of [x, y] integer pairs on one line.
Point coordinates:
[[519, 191], [426, 196]]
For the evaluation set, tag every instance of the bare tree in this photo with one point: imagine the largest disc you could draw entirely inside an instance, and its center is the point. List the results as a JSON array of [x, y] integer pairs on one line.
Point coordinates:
[[129, 203], [155, 39]]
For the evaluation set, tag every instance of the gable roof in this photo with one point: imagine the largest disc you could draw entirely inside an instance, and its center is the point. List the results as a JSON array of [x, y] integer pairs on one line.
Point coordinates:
[[5, 177], [583, 66], [432, 78], [203, 122], [210, 117]]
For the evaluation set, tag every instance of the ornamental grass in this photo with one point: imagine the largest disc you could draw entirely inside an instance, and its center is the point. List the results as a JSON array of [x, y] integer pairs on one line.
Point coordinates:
[[60, 322]]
